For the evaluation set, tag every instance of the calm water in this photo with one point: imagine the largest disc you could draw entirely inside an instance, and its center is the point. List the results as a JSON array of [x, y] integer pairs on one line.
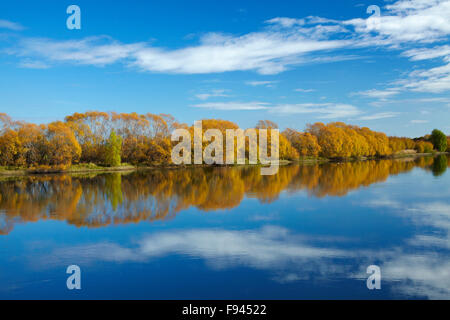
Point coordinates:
[[229, 233]]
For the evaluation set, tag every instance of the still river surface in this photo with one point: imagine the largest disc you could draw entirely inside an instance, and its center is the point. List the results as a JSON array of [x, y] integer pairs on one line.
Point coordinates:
[[309, 232]]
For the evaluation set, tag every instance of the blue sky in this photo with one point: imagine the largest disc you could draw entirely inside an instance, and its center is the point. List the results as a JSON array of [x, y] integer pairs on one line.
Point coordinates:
[[293, 62]]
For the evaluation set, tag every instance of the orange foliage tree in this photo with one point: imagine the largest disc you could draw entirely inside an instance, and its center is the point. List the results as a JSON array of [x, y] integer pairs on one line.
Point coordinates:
[[62, 146], [146, 139], [9, 148]]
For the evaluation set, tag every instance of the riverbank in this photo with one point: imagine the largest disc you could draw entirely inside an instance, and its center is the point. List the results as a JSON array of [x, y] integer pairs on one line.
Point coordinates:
[[93, 168], [400, 155], [82, 168]]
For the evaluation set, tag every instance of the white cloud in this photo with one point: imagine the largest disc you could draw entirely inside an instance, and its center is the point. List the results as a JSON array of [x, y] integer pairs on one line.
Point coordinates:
[[435, 80], [379, 94], [406, 21], [322, 110], [233, 105], [304, 90], [213, 93], [267, 52], [90, 51], [261, 83], [284, 42], [30, 64], [428, 53], [5, 24], [286, 22], [419, 121], [380, 115], [412, 23], [432, 100]]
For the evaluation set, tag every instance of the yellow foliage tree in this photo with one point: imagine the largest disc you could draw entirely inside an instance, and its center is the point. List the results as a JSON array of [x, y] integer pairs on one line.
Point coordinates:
[[305, 143], [9, 148], [62, 146]]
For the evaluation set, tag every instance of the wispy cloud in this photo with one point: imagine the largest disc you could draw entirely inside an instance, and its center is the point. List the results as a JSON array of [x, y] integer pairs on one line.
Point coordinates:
[[304, 90], [268, 52], [286, 22], [98, 51], [416, 23], [321, 110], [435, 80], [268, 84], [406, 21], [428, 53], [233, 105], [5, 24], [30, 64], [380, 115], [213, 93], [269, 247], [378, 94], [409, 26]]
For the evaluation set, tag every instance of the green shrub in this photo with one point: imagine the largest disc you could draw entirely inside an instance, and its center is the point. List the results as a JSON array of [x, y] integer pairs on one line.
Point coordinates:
[[113, 150], [439, 140]]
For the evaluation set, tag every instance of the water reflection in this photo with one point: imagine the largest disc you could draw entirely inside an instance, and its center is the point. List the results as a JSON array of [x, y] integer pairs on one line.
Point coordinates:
[[440, 164], [115, 198], [312, 234], [289, 257], [421, 266]]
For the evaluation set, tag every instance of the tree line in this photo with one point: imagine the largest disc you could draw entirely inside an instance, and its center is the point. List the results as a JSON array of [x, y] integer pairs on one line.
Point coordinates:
[[145, 139]]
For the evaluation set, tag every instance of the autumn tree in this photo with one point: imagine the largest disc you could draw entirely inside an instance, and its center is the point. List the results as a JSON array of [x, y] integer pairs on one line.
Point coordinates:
[[218, 124], [339, 140], [287, 151], [333, 140], [305, 143], [91, 130], [62, 148], [102, 137], [423, 146], [397, 144], [378, 142], [266, 124], [9, 148], [33, 142]]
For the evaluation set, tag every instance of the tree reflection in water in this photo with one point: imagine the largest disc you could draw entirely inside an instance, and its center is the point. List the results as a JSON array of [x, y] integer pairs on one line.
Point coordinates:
[[117, 198]]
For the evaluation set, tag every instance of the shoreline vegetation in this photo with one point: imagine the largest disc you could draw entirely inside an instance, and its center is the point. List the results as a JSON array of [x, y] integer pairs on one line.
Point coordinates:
[[93, 168], [101, 142]]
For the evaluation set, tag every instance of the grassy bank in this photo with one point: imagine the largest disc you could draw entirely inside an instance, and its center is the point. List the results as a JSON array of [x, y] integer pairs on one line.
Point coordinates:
[[91, 167], [399, 155], [78, 168]]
